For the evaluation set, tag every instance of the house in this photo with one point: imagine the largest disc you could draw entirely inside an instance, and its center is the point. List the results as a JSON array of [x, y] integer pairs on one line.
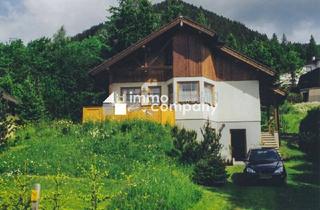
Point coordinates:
[[186, 62], [309, 85], [313, 64]]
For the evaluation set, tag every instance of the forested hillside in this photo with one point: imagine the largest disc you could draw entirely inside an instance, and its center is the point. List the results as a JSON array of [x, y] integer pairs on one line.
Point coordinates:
[[279, 53], [49, 74]]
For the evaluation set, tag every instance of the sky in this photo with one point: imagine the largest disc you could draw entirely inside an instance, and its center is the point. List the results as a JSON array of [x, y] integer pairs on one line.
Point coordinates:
[[32, 19]]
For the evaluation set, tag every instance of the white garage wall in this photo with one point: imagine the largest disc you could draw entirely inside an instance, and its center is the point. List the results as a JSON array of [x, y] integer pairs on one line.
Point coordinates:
[[238, 101]]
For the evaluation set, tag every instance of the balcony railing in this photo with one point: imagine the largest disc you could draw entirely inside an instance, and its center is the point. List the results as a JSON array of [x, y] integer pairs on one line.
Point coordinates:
[[95, 114]]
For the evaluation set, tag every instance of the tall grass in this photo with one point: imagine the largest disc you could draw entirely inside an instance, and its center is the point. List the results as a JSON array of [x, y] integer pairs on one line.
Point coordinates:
[[292, 114], [134, 153]]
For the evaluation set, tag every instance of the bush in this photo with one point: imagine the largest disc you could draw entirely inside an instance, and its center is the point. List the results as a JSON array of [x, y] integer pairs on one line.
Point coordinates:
[[32, 107], [210, 170], [209, 165], [185, 145], [309, 133], [7, 123], [294, 97]]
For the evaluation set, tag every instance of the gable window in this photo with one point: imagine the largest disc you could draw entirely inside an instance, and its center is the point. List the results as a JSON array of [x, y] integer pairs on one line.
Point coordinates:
[[208, 94], [154, 94], [188, 92], [131, 95]]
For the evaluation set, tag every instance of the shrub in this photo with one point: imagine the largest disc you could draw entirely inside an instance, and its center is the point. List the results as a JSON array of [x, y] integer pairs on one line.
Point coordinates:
[[294, 97], [95, 194], [185, 145], [309, 133], [56, 198], [8, 125], [4, 130], [4, 123], [33, 106], [210, 170]]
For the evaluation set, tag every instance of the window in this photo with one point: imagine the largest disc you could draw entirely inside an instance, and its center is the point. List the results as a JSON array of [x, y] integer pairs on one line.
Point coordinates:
[[188, 92], [170, 94], [208, 94], [129, 94], [154, 95]]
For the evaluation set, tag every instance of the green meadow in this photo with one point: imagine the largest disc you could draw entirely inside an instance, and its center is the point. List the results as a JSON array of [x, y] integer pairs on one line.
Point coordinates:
[[125, 165]]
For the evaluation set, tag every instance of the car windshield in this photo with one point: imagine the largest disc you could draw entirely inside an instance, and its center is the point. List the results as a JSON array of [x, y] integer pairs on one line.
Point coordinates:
[[264, 156]]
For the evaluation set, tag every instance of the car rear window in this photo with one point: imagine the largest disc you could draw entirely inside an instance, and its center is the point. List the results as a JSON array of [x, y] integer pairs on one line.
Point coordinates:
[[264, 155]]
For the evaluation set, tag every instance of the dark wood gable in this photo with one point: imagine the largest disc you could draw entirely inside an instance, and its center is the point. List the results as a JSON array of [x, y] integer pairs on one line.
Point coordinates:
[[191, 55], [151, 63], [230, 69], [195, 56], [181, 48], [182, 53]]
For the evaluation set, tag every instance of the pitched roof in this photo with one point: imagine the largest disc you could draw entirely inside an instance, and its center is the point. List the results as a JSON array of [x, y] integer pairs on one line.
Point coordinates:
[[248, 60], [179, 21], [310, 79], [279, 92]]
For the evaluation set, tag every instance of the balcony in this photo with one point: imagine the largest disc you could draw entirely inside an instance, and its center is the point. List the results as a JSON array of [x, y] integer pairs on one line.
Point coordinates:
[[98, 114]]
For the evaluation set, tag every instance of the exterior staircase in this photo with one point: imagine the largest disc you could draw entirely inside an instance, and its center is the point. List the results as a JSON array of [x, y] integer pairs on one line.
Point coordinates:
[[270, 140]]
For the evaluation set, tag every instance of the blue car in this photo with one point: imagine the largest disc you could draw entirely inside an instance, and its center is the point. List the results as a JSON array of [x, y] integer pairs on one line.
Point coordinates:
[[265, 164]]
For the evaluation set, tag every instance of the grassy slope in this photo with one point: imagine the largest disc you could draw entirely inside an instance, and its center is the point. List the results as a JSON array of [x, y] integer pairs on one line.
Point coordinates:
[[141, 176], [292, 114]]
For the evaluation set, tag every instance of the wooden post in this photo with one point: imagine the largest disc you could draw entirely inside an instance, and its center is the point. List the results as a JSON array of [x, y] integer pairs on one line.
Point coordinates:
[[276, 118], [268, 113], [277, 121], [35, 197]]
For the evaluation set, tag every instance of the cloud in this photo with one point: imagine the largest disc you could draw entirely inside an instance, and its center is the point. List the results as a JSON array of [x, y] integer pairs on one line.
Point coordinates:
[[31, 19], [297, 19]]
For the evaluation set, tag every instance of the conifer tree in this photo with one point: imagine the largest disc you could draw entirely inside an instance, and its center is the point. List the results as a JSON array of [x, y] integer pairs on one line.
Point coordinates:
[[201, 18], [173, 10], [284, 40], [232, 42], [131, 21], [312, 50]]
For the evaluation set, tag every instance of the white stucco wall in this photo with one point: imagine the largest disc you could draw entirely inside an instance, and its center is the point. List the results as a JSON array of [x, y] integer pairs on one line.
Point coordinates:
[[238, 101], [235, 100], [253, 131], [237, 106]]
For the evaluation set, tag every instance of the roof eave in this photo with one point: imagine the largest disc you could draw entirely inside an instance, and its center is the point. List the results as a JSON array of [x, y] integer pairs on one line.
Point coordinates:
[[178, 21], [248, 60]]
